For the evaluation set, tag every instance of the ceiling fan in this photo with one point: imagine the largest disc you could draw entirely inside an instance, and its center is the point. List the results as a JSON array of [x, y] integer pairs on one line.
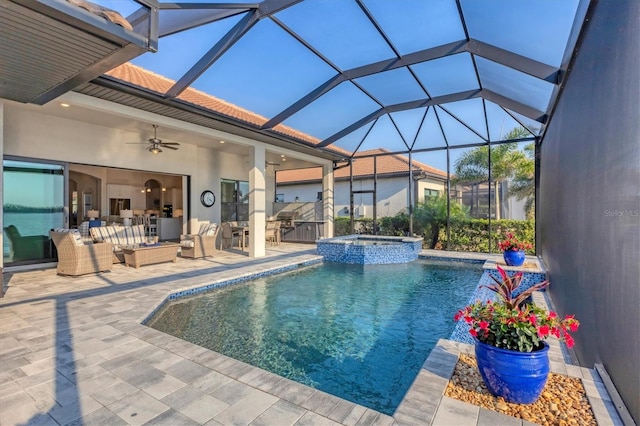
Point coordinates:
[[156, 145]]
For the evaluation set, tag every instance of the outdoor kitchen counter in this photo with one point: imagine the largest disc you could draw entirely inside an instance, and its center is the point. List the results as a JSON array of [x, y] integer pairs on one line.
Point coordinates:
[[303, 231]]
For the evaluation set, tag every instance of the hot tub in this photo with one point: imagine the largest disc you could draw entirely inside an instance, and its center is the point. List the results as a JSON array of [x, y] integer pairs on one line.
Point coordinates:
[[369, 249]]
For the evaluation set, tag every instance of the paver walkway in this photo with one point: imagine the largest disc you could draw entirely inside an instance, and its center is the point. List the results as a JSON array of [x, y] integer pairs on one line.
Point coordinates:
[[73, 351]]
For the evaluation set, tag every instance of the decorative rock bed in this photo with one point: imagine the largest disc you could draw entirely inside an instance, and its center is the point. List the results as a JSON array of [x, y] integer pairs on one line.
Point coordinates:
[[563, 401]]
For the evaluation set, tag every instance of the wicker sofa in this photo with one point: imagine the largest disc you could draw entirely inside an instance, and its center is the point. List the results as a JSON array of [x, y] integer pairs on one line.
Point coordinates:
[[202, 244], [119, 236], [78, 258]]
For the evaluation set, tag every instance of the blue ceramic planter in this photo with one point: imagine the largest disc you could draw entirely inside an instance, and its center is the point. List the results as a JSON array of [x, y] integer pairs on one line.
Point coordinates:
[[513, 258], [518, 377]]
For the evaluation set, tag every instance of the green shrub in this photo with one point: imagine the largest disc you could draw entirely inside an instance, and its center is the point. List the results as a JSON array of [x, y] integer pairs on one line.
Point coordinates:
[[466, 234], [342, 226], [396, 226], [473, 234]]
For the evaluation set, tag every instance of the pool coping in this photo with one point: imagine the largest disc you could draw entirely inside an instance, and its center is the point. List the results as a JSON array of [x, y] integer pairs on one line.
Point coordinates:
[[195, 289]]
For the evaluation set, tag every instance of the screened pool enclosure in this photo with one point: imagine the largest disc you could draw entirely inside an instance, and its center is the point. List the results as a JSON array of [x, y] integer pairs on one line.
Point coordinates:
[[436, 81]]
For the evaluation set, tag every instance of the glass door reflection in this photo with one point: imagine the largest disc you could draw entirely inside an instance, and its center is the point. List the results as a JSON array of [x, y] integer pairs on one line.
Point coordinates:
[[33, 204]]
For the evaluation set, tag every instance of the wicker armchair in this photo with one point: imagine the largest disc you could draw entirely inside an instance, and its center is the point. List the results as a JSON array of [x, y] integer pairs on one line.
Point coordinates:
[[79, 259], [202, 244]]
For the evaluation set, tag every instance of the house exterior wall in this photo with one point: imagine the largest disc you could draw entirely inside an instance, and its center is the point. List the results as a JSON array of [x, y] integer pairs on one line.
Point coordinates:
[[392, 194], [31, 133], [588, 211]]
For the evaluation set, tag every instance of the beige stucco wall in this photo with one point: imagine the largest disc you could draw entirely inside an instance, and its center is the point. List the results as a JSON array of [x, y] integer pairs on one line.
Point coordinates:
[[392, 195], [30, 132]]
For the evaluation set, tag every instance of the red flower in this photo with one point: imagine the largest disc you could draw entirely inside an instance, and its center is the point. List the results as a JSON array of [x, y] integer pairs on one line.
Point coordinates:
[[543, 331], [511, 243], [473, 332], [569, 340], [573, 327], [483, 325], [532, 319]]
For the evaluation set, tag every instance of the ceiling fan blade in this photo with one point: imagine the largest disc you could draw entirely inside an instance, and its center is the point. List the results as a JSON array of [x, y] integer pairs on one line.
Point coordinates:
[[169, 143], [169, 147], [136, 143]]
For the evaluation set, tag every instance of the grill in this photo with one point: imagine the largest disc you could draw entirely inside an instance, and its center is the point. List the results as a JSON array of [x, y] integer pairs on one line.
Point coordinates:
[[286, 219]]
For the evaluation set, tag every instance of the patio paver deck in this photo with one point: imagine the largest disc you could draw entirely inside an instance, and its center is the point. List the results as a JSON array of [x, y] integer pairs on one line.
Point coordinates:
[[73, 351]]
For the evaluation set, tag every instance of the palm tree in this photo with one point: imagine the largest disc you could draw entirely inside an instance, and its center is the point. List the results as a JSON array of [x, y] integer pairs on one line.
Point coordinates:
[[430, 216], [506, 162], [523, 185]]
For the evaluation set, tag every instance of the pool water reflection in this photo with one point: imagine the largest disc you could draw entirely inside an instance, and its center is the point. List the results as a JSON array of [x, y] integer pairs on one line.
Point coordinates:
[[358, 332]]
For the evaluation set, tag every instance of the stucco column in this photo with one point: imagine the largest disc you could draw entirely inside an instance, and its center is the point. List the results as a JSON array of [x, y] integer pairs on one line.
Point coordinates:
[[327, 199], [257, 201]]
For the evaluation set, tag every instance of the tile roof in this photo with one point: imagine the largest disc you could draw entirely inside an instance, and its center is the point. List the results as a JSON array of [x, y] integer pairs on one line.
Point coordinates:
[[149, 80], [386, 165]]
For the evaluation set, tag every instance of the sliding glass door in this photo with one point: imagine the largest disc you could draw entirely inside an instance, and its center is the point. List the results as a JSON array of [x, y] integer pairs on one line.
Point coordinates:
[[33, 204]]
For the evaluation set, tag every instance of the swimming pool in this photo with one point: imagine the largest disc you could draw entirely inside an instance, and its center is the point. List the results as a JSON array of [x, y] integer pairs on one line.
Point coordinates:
[[358, 332]]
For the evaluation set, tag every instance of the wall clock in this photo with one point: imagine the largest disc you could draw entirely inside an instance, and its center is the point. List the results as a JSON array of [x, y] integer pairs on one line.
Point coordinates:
[[207, 198]]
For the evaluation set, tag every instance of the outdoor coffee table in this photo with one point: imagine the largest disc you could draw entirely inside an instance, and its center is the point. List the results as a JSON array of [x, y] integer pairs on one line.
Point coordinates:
[[141, 255]]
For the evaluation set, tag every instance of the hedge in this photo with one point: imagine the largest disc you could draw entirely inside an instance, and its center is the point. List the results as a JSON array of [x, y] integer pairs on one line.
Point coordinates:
[[466, 235], [473, 234]]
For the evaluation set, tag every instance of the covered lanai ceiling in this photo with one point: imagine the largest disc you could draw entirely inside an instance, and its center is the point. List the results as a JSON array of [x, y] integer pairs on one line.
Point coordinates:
[[356, 75]]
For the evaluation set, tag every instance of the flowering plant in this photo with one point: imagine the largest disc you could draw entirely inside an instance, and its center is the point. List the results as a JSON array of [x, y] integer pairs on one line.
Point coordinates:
[[513, 244], [513, 324]]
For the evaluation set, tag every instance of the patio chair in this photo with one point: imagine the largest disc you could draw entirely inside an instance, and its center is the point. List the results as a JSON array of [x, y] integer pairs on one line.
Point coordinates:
[[202, 244], [272, 232], [76, 258], [228, 234]]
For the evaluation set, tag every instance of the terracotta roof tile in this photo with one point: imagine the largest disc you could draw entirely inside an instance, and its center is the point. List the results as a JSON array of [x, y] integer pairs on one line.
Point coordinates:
[[149, 80], [385, 165], [159, 84]]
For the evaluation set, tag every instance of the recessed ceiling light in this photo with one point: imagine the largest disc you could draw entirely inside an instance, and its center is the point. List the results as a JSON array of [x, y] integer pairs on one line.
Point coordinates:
[[221, 141], [65, 105], [284, 159], [282, 155]]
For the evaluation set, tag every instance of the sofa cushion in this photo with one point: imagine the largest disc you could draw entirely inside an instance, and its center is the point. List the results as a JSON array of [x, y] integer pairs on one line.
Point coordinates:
[[208, 229], [77, 238], [119, 235], [135, 234], [111, 233], [188, 243]]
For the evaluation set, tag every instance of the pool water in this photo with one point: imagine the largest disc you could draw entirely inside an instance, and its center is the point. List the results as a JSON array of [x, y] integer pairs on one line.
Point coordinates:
[[358, 332]]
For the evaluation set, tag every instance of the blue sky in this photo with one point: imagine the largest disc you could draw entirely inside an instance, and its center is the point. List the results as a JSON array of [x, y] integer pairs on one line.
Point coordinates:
[[267, 70]]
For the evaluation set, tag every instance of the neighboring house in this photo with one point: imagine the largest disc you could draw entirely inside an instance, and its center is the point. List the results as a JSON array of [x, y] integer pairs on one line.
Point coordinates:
[[476, 198], [305, 185]]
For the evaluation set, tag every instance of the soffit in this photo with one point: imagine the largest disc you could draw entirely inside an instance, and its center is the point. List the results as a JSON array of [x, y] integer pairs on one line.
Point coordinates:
[[48, 48]]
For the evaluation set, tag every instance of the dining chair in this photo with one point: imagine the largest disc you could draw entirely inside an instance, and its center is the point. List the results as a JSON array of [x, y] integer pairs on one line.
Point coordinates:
[[272, 232]]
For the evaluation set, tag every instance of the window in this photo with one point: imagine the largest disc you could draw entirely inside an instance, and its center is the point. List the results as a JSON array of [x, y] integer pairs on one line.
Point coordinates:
[[430, 194], [319, 197], [279, 198], [234, 200]]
